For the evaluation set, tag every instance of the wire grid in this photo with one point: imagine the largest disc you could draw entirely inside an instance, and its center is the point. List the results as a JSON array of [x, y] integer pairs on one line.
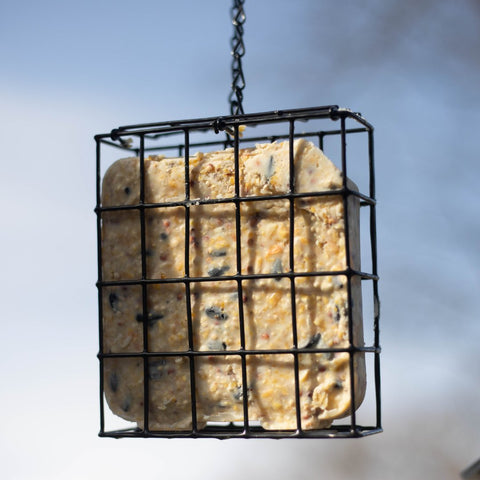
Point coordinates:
[[286, 121]]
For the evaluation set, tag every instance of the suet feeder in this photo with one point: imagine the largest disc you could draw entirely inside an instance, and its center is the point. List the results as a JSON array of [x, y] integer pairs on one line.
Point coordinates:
[[235, 286]]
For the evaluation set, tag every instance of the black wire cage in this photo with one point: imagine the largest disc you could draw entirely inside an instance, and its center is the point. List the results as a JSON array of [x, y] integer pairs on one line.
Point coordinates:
[[134, 377]]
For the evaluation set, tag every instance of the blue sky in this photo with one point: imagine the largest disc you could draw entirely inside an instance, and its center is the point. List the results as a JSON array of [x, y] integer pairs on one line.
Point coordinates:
[[70, 70]]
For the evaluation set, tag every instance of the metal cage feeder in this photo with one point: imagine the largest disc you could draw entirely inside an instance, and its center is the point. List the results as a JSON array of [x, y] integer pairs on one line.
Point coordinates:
[[159, 388], [158, 138]]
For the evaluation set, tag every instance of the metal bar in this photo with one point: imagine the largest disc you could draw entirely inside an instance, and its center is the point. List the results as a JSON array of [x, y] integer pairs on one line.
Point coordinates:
[[376, 301], [235, 432], [266, 116], [113, 144], [191, 346], [100, 277], [349, 267], [321, 136], [238, 252], [291, 255], [144, 287], [329, 193], [269, 138], [225, 278], [240, 352]]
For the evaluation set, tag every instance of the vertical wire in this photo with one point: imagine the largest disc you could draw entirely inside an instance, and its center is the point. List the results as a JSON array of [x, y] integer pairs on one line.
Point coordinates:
[[100, 288], [193, 397], [292, 269], [346, 217], [376, 302], [241, 318], [143, 249]]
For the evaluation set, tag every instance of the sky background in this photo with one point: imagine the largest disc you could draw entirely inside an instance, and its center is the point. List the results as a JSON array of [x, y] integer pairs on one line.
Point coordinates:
[[70, 70]]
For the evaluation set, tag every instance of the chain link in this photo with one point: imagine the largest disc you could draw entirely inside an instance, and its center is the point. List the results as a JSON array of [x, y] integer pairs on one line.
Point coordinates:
[[238, 51]]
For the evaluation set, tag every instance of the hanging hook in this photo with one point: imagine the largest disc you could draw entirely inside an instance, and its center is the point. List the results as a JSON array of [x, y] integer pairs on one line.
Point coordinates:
[[238, 51]]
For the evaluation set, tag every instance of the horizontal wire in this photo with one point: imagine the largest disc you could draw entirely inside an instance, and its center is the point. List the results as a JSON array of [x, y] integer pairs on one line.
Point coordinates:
[[207, 123], [236, 277], [241, 353], [237, 432], [254, 198]]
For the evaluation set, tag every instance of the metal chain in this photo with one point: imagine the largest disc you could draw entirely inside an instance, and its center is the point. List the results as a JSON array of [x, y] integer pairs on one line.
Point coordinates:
[[238, 51]]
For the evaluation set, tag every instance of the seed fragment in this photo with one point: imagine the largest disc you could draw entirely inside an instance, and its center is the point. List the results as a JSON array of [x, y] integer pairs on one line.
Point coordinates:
[[270, 168], [114, 301], [216, 313], [126, 403], [218, 253], [193, 238], [277, 268], [156, 369], [216, 345], [313, 342], [218, 271], [152, 318], [238, 393], [113, 381], [337, 314]]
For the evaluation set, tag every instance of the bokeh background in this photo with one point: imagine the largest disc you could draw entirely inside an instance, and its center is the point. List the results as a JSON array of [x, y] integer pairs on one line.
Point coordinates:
[[69, 70]]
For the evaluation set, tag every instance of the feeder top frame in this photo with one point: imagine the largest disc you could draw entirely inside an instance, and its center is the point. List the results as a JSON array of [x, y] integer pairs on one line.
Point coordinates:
[[223, 123]]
